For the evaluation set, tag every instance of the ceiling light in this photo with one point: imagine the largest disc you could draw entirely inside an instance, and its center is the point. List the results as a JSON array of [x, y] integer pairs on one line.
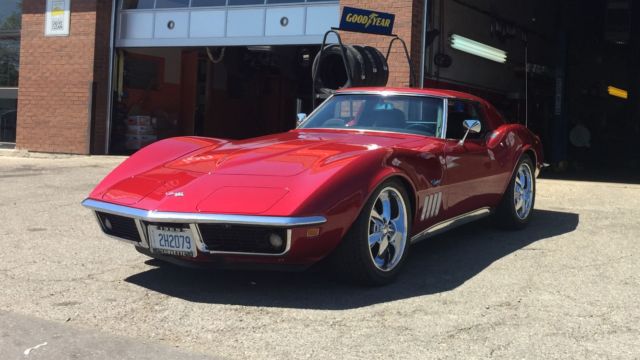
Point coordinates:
[[477, 48], [620, 93]]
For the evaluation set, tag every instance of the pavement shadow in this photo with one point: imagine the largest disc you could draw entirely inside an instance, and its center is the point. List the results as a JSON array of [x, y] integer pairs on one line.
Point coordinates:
[[436, 265]]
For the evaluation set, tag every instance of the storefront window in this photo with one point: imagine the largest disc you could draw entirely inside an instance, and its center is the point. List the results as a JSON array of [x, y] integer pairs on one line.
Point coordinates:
[[10, 21]]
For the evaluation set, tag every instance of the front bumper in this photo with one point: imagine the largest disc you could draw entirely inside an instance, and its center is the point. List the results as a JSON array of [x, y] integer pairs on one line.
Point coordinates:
[[193, 220]]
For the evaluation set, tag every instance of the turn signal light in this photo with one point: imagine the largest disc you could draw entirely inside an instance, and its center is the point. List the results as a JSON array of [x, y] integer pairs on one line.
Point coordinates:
[[313, 232]]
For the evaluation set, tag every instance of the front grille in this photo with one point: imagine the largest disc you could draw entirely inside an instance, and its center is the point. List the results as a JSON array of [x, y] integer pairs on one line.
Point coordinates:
[[119, 226], [242, 239]]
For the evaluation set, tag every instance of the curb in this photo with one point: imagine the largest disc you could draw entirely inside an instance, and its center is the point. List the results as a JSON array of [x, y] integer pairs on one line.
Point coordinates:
[[42, 155]]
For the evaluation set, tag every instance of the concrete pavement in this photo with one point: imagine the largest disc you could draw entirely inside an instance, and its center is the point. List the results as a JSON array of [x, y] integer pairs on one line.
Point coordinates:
[[25, 337], [566, 287]]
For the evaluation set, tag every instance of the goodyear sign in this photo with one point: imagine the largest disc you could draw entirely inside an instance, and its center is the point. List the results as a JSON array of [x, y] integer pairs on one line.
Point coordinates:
[[367, 21]]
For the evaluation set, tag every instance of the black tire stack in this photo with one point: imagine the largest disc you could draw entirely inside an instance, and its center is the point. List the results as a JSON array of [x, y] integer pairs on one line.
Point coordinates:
[[367, 67]]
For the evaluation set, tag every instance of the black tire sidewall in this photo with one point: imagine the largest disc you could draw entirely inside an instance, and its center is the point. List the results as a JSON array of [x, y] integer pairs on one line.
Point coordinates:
[[381, 63], [370, 68], [357, 66]]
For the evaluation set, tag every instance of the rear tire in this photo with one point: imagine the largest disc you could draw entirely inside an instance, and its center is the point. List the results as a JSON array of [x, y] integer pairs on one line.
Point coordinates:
[[516, 206], [377, 244]]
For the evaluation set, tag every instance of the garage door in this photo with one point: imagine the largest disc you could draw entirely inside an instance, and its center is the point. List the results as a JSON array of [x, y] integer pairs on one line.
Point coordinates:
[[143, 23]]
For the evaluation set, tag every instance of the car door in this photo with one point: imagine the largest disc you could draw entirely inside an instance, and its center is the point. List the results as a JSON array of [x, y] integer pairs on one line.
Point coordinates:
[[471, 171]]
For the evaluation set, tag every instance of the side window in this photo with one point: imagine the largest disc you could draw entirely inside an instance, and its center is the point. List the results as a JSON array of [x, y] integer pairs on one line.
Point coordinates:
[[478, 115], [458, 111]]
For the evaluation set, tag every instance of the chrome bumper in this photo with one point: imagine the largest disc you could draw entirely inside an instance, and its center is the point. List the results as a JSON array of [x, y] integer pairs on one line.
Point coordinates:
[[180, 217], [193, 219]]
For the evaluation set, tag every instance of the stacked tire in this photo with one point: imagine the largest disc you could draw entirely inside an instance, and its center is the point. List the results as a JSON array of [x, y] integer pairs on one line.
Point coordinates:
[[366, 65]]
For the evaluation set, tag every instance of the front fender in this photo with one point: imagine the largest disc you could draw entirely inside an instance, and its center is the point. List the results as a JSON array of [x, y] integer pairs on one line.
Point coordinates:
[[151, 157], [343, 196]]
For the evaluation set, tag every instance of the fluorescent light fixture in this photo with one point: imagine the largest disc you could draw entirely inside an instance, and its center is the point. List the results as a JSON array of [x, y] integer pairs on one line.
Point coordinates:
[[477, 48], [620, 93]]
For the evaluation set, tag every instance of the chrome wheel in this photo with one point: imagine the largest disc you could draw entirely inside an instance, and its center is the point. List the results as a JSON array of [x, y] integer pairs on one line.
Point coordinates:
[[388, 229], [523, 191]]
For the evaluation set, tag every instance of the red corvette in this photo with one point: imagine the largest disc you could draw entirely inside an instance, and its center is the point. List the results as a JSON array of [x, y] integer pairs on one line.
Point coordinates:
[[367, 174]]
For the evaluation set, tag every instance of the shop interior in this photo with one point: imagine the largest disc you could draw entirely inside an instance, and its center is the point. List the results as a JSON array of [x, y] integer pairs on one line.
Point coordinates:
[[224, 92], [571, 76]]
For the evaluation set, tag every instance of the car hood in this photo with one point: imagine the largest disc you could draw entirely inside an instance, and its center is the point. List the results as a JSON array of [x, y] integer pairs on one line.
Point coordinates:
[[287, 154], [252, 176]]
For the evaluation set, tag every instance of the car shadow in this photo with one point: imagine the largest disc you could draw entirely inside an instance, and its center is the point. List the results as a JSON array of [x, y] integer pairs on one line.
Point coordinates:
[[435, 265]]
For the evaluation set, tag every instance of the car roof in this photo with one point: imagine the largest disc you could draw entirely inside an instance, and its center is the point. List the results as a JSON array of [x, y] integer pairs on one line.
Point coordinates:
[[427, 91]]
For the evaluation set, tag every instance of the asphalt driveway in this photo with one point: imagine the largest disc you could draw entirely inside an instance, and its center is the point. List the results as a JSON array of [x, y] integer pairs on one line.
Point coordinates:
[[566, 287]]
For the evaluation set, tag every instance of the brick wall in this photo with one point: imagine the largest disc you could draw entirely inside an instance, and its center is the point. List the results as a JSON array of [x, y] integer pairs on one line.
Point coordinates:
[[56, 74], [408, 25]]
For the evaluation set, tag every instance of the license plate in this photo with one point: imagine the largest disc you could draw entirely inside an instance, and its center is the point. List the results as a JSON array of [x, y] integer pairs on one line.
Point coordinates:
[[172, 241]]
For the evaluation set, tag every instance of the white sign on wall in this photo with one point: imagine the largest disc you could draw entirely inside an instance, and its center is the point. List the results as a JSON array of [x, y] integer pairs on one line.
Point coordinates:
[[57, 18]]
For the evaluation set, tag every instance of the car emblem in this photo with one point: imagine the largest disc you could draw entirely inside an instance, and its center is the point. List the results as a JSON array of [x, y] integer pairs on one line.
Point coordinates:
[[176, 194]]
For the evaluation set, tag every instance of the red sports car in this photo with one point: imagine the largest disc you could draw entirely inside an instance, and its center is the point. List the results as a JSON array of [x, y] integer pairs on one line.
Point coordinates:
[[368, 173]]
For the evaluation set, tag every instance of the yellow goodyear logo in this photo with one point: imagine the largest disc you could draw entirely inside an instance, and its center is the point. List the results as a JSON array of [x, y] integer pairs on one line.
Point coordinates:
[[367, 21], [372, 19]]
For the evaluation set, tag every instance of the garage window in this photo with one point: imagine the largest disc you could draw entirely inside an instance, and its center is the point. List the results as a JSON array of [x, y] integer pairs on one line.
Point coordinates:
[[165, 4], [199, 3], [169, 4], [137, 4], [245, 2]]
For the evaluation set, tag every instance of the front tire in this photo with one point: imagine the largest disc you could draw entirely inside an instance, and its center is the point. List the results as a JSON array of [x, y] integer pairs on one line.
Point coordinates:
[[516, 207], [375, 248]]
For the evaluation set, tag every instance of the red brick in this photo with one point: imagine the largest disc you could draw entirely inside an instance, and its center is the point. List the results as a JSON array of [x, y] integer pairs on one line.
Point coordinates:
[[405, 28], [55, 73]]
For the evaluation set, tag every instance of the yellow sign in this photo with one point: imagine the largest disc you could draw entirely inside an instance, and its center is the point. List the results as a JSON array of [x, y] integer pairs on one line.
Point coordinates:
[[372, 19], [619, 93], [57, 18], [57, 7], [366, 21]]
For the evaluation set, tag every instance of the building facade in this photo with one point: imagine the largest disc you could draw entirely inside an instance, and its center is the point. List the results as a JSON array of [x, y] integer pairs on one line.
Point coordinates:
[[64, 97], [124, 73]]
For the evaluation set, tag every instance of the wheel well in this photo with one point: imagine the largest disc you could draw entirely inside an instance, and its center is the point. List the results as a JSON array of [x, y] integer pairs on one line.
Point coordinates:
[[410, 191], [532, 155]]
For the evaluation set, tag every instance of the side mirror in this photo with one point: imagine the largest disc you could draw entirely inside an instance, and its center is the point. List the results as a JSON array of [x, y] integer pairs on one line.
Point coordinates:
[[301, 117], [472, 126]]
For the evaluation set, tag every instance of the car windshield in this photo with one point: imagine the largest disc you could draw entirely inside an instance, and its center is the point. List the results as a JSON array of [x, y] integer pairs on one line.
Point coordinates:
[[397, 113]]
